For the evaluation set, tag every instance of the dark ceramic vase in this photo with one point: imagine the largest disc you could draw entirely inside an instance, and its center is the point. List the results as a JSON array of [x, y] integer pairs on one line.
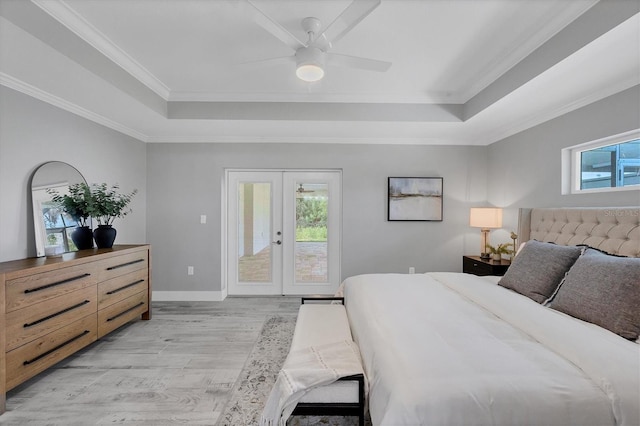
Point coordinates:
[[82, 237], [104, 235]]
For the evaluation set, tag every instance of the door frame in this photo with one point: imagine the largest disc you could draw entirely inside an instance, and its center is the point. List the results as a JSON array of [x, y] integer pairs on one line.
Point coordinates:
[[224, 200]]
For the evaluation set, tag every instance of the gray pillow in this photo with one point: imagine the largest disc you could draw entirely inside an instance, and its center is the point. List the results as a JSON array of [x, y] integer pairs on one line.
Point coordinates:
[[603, 290], [536, 272]]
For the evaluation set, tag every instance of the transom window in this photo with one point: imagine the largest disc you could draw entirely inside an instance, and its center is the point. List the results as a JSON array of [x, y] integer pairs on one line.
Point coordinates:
[[609, 164]]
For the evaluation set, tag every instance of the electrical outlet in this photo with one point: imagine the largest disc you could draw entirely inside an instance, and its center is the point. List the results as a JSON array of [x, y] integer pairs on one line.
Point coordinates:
[[203, 218], [412, 270], [189, 270]]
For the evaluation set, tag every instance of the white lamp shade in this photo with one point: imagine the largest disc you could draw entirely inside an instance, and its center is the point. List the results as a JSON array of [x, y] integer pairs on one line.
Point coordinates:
[[485, 217]]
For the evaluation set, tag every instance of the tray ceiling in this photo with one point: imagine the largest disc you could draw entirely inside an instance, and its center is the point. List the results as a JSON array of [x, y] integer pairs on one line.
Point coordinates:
[[463, 72]]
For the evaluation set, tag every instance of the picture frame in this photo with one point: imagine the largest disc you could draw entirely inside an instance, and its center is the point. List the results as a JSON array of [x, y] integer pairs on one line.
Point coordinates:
[[415, 199]]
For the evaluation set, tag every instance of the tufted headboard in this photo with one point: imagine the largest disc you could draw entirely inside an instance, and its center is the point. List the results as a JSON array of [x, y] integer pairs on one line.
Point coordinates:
[[614, 230]]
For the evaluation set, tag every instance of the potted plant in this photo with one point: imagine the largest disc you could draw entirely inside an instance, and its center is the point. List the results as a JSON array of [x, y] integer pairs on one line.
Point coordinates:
[[77, 204], [499, 250], [107, 205]]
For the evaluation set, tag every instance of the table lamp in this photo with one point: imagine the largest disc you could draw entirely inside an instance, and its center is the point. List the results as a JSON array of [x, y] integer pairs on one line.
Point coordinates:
[[485, 218]]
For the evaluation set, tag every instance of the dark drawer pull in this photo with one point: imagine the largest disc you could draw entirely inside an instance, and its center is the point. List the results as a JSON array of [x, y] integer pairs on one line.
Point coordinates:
[[125, 287], [70, 308], [32, 290], [73, 339], [111, 268], [124, 312]]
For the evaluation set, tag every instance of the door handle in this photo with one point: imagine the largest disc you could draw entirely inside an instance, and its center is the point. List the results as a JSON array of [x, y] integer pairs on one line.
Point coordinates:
[[276, 242]]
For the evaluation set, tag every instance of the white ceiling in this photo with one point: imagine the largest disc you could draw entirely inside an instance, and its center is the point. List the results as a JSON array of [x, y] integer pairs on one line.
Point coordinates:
[[463, 71]]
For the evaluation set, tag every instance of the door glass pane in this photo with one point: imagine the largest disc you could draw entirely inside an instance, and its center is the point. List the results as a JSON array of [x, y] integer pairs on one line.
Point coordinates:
[[254, 232], [311, 232]]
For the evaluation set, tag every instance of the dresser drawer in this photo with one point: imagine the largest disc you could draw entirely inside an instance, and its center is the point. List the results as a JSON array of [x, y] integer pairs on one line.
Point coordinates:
[[25, 325], [121, 265], [122, 312], [122, 287], [25, 291], [36, 356]]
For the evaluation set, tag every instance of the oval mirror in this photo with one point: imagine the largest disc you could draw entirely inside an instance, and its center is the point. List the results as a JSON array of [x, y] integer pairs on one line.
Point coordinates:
[[51, 225]]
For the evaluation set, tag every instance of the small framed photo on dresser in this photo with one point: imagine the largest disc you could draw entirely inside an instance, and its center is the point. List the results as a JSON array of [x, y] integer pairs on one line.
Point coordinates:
[[414, 199]]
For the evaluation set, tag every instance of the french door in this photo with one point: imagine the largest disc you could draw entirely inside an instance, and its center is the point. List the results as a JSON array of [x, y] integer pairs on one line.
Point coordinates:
[[283, 232]]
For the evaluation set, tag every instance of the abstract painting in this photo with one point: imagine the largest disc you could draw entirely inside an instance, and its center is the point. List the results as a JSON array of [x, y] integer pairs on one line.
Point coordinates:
[[415, 198]]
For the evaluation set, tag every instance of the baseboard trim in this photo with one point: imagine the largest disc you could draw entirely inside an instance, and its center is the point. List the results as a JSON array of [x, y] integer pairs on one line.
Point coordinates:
[[186, 296]]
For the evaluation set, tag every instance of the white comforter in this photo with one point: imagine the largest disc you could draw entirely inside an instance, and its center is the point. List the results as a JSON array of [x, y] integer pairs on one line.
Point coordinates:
[[456, 349]]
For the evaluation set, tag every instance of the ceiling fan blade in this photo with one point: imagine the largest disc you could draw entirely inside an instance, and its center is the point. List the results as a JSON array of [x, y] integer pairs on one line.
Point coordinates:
[[274, 28], [349, 18], [272, 61], [356, 62]]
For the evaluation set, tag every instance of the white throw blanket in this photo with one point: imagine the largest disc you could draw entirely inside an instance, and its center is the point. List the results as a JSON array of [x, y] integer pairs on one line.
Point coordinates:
[[305, 369]]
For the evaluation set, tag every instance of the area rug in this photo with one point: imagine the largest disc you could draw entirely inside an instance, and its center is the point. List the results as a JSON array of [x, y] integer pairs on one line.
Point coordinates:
[[259, 374]]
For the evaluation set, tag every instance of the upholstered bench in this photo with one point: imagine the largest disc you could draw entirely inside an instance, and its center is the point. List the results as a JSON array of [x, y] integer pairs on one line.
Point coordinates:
[[319, 324]]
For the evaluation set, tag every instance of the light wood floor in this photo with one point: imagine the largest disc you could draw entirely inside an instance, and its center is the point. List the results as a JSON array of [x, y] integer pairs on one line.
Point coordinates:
[[178, 368]]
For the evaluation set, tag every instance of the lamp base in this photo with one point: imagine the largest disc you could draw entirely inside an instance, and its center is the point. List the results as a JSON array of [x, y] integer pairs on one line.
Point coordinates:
[[484, 240]]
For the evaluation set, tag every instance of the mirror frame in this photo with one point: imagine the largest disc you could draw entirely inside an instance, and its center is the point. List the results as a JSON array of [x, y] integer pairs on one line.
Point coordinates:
[[55, 179]]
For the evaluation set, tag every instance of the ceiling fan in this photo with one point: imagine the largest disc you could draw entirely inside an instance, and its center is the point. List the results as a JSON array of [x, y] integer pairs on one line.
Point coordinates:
[[301, 189], [312, 56]]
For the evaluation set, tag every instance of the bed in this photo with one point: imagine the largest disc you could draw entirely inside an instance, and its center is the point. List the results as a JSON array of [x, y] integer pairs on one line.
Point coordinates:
[[458, 349]]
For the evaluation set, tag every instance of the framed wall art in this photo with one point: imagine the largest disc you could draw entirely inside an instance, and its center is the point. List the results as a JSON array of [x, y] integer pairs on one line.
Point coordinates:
[[414, 199]]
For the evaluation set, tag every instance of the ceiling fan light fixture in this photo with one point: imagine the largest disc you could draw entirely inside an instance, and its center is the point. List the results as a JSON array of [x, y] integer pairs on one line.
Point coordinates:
[[310, 73], [309, 64]]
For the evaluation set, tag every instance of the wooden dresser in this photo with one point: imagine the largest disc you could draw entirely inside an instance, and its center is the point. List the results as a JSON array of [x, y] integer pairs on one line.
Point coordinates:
[[50, 307]]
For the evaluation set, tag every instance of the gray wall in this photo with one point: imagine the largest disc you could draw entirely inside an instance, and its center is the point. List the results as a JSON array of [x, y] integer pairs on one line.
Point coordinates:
[[179, 182], [525, 169], [185, 181], [33, 132]]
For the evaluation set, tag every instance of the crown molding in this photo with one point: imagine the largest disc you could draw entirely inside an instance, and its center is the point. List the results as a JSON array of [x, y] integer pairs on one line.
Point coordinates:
[[29, 90], [68, 17], [370, 97]]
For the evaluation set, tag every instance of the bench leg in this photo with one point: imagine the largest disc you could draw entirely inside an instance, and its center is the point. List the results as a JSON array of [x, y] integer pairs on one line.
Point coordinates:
[[361, 399]]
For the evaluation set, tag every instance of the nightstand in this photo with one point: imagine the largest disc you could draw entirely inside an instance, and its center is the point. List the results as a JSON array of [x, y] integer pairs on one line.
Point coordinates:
[[477, 266]]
